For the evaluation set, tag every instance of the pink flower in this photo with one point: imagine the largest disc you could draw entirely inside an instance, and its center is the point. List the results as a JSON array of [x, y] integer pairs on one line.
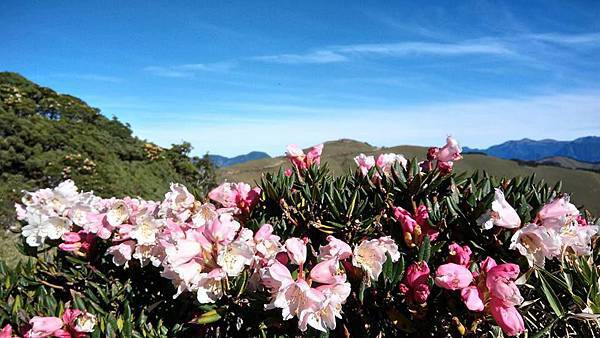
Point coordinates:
[[487, 264], [276, 276], [507, 317], [364, 163], [79, 242], [235, 195], [453, 276], [415, 284], [558, 213], [267, 245], [416, 228], [44, 326], [386, 162], [6, 331], [472, 298], [502, 214], [222, 229], [298, 300], [369, 256], [314, 155], [122, 252], [500, 283], [417, 273], [334, 296], [328, 272], [335, 248], [224, 194], [301, 161], [421, 293], [288, 172], [296, 249], [459, 254], [445, 167], [450, 152]]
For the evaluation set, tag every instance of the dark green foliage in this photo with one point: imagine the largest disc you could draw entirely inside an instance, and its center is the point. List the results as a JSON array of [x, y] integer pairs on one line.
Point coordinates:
[[46, 137]]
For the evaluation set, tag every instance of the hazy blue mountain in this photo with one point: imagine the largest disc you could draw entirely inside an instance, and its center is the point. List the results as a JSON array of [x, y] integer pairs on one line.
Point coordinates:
[[222, 161], [585, 149]]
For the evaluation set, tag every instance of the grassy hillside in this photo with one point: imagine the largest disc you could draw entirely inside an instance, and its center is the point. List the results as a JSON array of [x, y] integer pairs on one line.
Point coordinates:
[[46, 137], [567, 162], [585, 185]]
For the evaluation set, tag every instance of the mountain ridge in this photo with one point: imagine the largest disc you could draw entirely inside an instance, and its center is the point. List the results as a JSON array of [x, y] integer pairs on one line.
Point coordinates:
[[224, 161], [586, 149]]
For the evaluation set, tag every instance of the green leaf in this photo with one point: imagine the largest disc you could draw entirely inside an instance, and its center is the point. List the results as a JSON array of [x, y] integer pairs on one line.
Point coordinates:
[[551, 297]]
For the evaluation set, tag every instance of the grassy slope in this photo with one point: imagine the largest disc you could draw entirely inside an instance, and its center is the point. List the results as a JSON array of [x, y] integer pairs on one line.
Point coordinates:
[[584, 185]]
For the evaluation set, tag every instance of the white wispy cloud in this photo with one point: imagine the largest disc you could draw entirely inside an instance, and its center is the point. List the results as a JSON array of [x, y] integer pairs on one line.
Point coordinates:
[[190, 70], [477, 123], [568, 39], [91, 77], [320, 56], [345, 53]]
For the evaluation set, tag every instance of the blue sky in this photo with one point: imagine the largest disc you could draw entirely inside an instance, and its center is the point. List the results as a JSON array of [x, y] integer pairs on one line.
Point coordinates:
[[236, 76]]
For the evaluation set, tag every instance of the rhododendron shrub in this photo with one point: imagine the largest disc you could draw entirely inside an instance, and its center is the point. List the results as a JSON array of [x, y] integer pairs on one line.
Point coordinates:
[[397, 247]]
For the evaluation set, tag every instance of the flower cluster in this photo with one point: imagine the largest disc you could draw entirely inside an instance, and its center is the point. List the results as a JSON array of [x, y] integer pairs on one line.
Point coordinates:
[[385, 162], [73, 324], [207, 249], [559, 229], [490, 288]]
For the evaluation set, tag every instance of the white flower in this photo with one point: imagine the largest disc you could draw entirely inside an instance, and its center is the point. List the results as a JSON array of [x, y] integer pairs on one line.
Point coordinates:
[[57, 226], [386, 161], [145, 229], [234, 257], [204, 215], [85, 322], [502, 214], [536, 243], [210, 286], [36, 230], [117, 214], [369, 256], [578, 238], [121, 253]]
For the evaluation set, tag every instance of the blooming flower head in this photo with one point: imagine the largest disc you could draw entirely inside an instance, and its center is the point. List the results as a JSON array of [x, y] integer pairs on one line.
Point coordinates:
[[502, 214], [235, 195], [536, 243], [364, 163], [296, 249], [452, 276], [335, 248], [459, 254], [370, 255], [386, 161], [558, 213], [500, 283], [44, 327], [449, 152], [302, 161]]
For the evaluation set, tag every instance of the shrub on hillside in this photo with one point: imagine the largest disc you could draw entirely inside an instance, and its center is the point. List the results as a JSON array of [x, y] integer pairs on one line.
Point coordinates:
[[396, 248], [47, 137]]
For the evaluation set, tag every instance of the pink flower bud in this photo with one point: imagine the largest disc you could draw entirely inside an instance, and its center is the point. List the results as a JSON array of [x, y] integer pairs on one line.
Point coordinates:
[[507, 317]]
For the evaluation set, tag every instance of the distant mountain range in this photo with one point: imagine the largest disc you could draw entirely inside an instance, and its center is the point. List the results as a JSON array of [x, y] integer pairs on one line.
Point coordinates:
[[585, 149], [222, 161]]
